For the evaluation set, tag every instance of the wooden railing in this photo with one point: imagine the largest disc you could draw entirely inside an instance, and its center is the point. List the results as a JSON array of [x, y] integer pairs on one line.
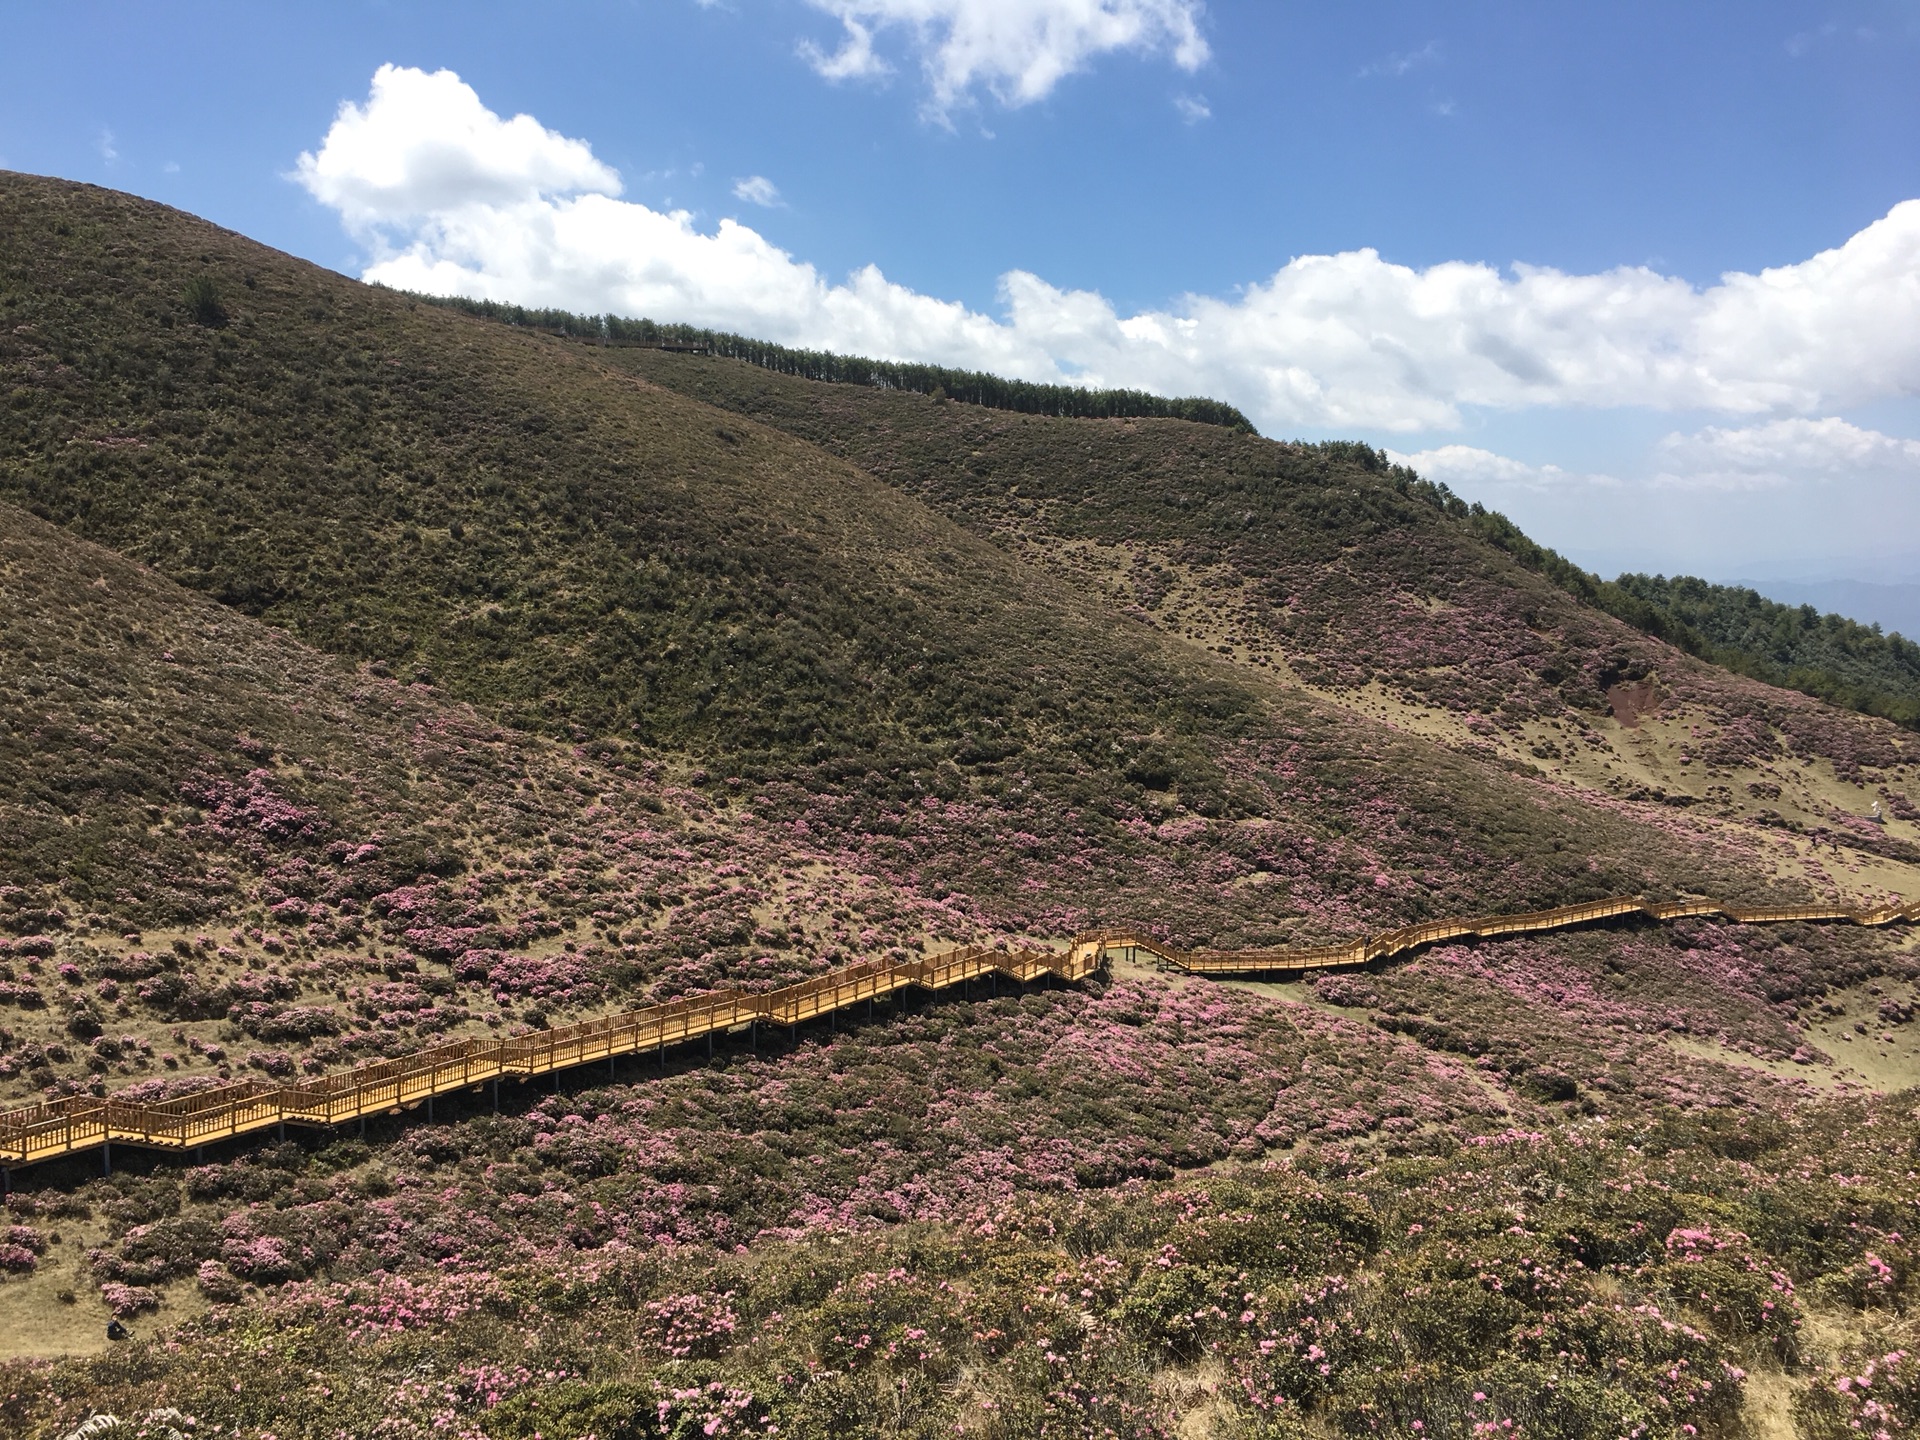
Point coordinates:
[[1412, 937], [384, 1087]]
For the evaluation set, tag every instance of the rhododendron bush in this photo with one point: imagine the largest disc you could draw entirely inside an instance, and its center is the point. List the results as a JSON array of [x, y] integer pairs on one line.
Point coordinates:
[[1614, 1279]]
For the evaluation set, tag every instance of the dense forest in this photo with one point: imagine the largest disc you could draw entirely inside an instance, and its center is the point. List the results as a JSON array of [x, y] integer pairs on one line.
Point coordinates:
[[973, 387]]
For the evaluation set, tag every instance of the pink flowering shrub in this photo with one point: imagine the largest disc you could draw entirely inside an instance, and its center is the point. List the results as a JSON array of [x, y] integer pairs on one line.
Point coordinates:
[[692, 1326], [252, 807], [218, 1283], [1878, 1400], [128, 1300]]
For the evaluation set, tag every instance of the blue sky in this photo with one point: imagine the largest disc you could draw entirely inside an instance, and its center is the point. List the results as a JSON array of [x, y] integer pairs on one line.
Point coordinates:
[[1124, 190]]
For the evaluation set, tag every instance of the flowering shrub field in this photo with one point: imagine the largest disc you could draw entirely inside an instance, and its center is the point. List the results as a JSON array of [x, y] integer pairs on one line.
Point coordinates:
[[1618, 1279], [320, 865], [371, 675]]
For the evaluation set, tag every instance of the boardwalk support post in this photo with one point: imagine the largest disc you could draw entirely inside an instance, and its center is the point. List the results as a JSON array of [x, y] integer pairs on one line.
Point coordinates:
[[106, 1157], [496, 1094]]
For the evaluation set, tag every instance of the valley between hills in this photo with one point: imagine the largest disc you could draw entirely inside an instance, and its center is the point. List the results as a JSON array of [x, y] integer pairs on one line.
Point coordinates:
[[375, 675]]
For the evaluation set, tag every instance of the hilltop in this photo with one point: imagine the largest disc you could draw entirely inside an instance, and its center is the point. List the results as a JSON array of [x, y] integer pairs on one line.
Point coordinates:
[[372, 672]]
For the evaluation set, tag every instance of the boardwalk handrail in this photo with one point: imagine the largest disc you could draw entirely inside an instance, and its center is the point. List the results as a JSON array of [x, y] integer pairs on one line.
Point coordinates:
[[53, 1128], [1411, 937]]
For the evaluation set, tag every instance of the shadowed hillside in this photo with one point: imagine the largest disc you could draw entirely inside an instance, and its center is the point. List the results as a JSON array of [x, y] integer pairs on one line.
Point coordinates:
[[1325, 565], [536, 533]]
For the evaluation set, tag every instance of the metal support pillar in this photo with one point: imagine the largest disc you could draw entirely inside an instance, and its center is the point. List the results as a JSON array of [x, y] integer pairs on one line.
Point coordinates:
[[753, 1035], [709, 1044], [106, 1157], [282, 1131], [429, 1105], [496, 1094]]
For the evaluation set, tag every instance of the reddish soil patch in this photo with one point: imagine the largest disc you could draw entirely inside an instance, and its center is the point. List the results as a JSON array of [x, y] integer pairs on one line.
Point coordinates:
[[1635, 701]]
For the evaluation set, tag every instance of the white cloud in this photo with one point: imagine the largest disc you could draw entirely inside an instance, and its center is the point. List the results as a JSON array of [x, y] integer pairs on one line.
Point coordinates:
[[423, 146], [757, 190], [1810, 454], [1472, 471], [1017, 49], [1785, 452], [1394, 66], [454, 199], [856, 58], [1193, 108]]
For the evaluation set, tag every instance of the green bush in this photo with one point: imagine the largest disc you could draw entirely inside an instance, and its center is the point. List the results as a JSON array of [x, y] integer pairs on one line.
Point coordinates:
[[203, 302]]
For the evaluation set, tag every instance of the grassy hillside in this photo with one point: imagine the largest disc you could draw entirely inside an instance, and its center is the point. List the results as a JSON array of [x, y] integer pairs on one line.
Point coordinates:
[[224, 852], [517, 520], [371, 672], [1844, 663], [1326, 565]]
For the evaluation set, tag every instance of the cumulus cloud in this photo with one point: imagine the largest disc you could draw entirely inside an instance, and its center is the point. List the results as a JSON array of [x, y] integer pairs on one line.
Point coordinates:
[[1017, 49], [1780, 454], [1471, 470], [757, 190], [1785, 452], [456, 200], [423, 145]]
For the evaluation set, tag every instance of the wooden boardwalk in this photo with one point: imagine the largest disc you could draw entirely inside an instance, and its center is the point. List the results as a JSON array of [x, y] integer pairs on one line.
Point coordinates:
[[1412, 937], [57, 1128], [386, 1087]]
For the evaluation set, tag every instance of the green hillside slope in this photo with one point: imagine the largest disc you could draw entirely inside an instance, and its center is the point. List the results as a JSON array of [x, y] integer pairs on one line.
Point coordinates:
[[1830, 656], [1328, 564], [518, 520], [372, 673], [1843, 663]]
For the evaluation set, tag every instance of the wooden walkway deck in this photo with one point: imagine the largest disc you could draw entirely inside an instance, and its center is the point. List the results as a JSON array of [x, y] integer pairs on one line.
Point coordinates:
[[1412, 937], [384, 1087], [56, 1128]]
